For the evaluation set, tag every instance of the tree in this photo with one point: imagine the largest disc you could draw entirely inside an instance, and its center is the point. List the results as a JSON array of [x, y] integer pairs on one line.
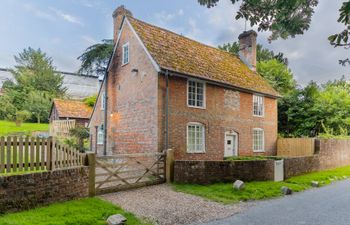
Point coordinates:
[[278, 75], [80, 134], [35, 71], [21, 116], [95, 58], [262, 54], [39, 104], [283, 18], [90, 101]]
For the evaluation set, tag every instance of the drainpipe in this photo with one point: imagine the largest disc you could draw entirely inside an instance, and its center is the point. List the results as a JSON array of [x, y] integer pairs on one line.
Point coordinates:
[[96, 133], [167, 111]]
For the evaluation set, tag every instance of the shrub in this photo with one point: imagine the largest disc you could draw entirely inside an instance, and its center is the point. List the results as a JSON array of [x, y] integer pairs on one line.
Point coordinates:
[[22, 116]]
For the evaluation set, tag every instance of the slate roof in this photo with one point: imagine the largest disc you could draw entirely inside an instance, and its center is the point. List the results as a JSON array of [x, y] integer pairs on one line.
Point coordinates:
[[72, 108], [183, 55]]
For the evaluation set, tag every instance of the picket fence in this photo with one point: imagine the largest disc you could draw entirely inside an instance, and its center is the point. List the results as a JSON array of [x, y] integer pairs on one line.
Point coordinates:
[[61, 128], [19, 154]]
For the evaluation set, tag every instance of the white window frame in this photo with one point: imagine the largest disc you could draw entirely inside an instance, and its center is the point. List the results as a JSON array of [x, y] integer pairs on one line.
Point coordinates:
[[124, 62], [204, 94], [100, 135], [203, 137], [103, 101], [257, 97], [262, 149]]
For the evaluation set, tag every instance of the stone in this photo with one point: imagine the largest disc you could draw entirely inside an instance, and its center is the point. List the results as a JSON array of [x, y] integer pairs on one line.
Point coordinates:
[[116, 219], [239, 185], [315, 183], [286, 190]]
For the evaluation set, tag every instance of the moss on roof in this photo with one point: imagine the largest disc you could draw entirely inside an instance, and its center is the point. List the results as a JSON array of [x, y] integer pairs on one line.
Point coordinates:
[[72, 108], [180, 54]]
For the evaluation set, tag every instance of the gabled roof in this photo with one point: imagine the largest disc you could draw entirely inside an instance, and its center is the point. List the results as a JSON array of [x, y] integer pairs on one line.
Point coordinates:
[[72, 109], [180, 54]]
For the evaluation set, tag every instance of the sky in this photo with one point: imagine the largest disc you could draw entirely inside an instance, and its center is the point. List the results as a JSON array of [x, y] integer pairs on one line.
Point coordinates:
[[65, 28]]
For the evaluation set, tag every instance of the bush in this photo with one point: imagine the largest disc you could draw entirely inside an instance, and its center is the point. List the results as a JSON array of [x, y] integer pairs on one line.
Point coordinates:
[[90, 101], [22, 116], [79, 134]]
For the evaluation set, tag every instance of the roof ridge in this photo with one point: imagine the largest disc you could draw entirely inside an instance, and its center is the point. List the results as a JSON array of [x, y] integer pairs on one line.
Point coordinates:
[[182, 36]]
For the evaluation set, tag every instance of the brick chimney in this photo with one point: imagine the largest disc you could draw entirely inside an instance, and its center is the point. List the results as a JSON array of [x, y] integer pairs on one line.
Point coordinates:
[[247, 48], [118, 16]]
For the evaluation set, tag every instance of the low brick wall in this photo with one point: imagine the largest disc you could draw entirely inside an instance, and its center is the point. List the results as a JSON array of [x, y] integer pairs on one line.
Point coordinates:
[[206, 172], [26, 191], [330, 153]]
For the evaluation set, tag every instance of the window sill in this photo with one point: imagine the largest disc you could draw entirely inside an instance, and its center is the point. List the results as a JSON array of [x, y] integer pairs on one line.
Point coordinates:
[[195, 152], [124, 64], [259, 151], [262, 116], [195, 107]]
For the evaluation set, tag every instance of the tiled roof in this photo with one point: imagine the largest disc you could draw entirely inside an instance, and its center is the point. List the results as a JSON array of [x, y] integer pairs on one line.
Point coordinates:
[[183, 55], [72, 108]]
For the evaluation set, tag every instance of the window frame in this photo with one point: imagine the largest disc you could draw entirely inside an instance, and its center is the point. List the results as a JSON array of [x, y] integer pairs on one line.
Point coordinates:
[[123, 54], [263, 105], [204, 94], [187, 138], [100, 131], [263, 140]]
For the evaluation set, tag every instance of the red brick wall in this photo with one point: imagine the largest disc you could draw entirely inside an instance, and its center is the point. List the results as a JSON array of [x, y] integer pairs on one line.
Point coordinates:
[[217, 119], [132, 102]]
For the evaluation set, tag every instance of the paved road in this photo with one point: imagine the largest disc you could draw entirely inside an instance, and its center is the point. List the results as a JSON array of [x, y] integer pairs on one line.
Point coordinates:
[[328, 205]]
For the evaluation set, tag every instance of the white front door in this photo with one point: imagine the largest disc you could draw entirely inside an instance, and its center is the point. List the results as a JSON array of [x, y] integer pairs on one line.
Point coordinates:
[[231, 143]]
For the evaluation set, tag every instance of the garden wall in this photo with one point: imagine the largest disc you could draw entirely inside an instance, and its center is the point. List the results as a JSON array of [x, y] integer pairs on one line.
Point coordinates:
[[206, 172], [20, 192], [329, 154]]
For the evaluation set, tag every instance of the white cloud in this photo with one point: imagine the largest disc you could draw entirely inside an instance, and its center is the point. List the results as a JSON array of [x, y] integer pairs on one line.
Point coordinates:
[[164, 17], [89, 40], [38, 13], [67, 17]]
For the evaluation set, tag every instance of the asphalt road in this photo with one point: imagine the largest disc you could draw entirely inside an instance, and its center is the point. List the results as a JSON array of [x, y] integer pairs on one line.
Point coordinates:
[[329, 205]]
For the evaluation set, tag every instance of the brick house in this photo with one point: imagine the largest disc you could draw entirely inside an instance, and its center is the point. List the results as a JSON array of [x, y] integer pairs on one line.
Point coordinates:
[[163, 90], [64, 109]]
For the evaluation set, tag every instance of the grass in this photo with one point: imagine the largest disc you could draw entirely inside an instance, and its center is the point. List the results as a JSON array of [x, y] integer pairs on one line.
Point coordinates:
[[224, 192], [234, 158], [89, 211], [8, 127]]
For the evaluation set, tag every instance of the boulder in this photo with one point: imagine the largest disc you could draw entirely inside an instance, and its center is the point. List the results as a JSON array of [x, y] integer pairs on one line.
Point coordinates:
[[116, 219], [239, 185], [286, 190], [315, 183]]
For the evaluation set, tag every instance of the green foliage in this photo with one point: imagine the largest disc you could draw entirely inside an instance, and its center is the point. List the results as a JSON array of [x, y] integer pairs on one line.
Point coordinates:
[[224, 193], [283, 18], [36, 84], [80, 134], [90, 101], [262, 54], [96, 57], [278, 75], [21, 116], [89, 211], [342, 38]]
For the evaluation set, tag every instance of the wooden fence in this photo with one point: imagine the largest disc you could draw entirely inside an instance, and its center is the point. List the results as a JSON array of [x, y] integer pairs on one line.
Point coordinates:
[[18, 154], [125, 171], [60, 128], [295, 147]]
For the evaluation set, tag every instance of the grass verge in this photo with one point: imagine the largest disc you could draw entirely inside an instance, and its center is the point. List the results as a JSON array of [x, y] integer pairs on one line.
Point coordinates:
[[224, 193], [89, 211], [8, 127]]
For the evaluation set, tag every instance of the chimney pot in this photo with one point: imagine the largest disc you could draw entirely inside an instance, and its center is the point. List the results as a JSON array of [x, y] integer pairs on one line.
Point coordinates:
[[247, 48], [118, 16]]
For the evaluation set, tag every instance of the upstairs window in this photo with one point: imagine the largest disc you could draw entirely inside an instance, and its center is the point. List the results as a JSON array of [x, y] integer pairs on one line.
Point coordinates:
[[196, 94], [100, 135], [125, 58], [195, 138], [258, 105], [103, 101], [258, 140]]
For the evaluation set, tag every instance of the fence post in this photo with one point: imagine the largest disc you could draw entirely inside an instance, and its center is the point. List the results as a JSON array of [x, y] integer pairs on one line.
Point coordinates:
[[91, 158], [49, 154], [169, 164]]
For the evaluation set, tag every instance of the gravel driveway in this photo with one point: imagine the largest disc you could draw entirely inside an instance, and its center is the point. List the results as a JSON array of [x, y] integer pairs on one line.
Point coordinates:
[[163, 206]]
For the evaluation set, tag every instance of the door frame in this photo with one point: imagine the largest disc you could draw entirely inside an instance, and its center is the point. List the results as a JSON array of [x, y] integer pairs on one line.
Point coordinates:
[[231, 133]]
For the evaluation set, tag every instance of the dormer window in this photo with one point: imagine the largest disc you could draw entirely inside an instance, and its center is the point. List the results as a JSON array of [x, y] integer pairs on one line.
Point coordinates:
[[125, 58], [196, 94]]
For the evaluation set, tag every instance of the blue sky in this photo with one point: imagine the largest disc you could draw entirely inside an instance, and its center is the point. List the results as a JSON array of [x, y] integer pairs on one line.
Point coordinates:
[[63, 29]]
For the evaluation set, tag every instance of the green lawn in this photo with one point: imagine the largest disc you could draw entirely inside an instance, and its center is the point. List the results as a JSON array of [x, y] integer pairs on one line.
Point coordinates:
[[8, 127], [90, 211], [224, 192]]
